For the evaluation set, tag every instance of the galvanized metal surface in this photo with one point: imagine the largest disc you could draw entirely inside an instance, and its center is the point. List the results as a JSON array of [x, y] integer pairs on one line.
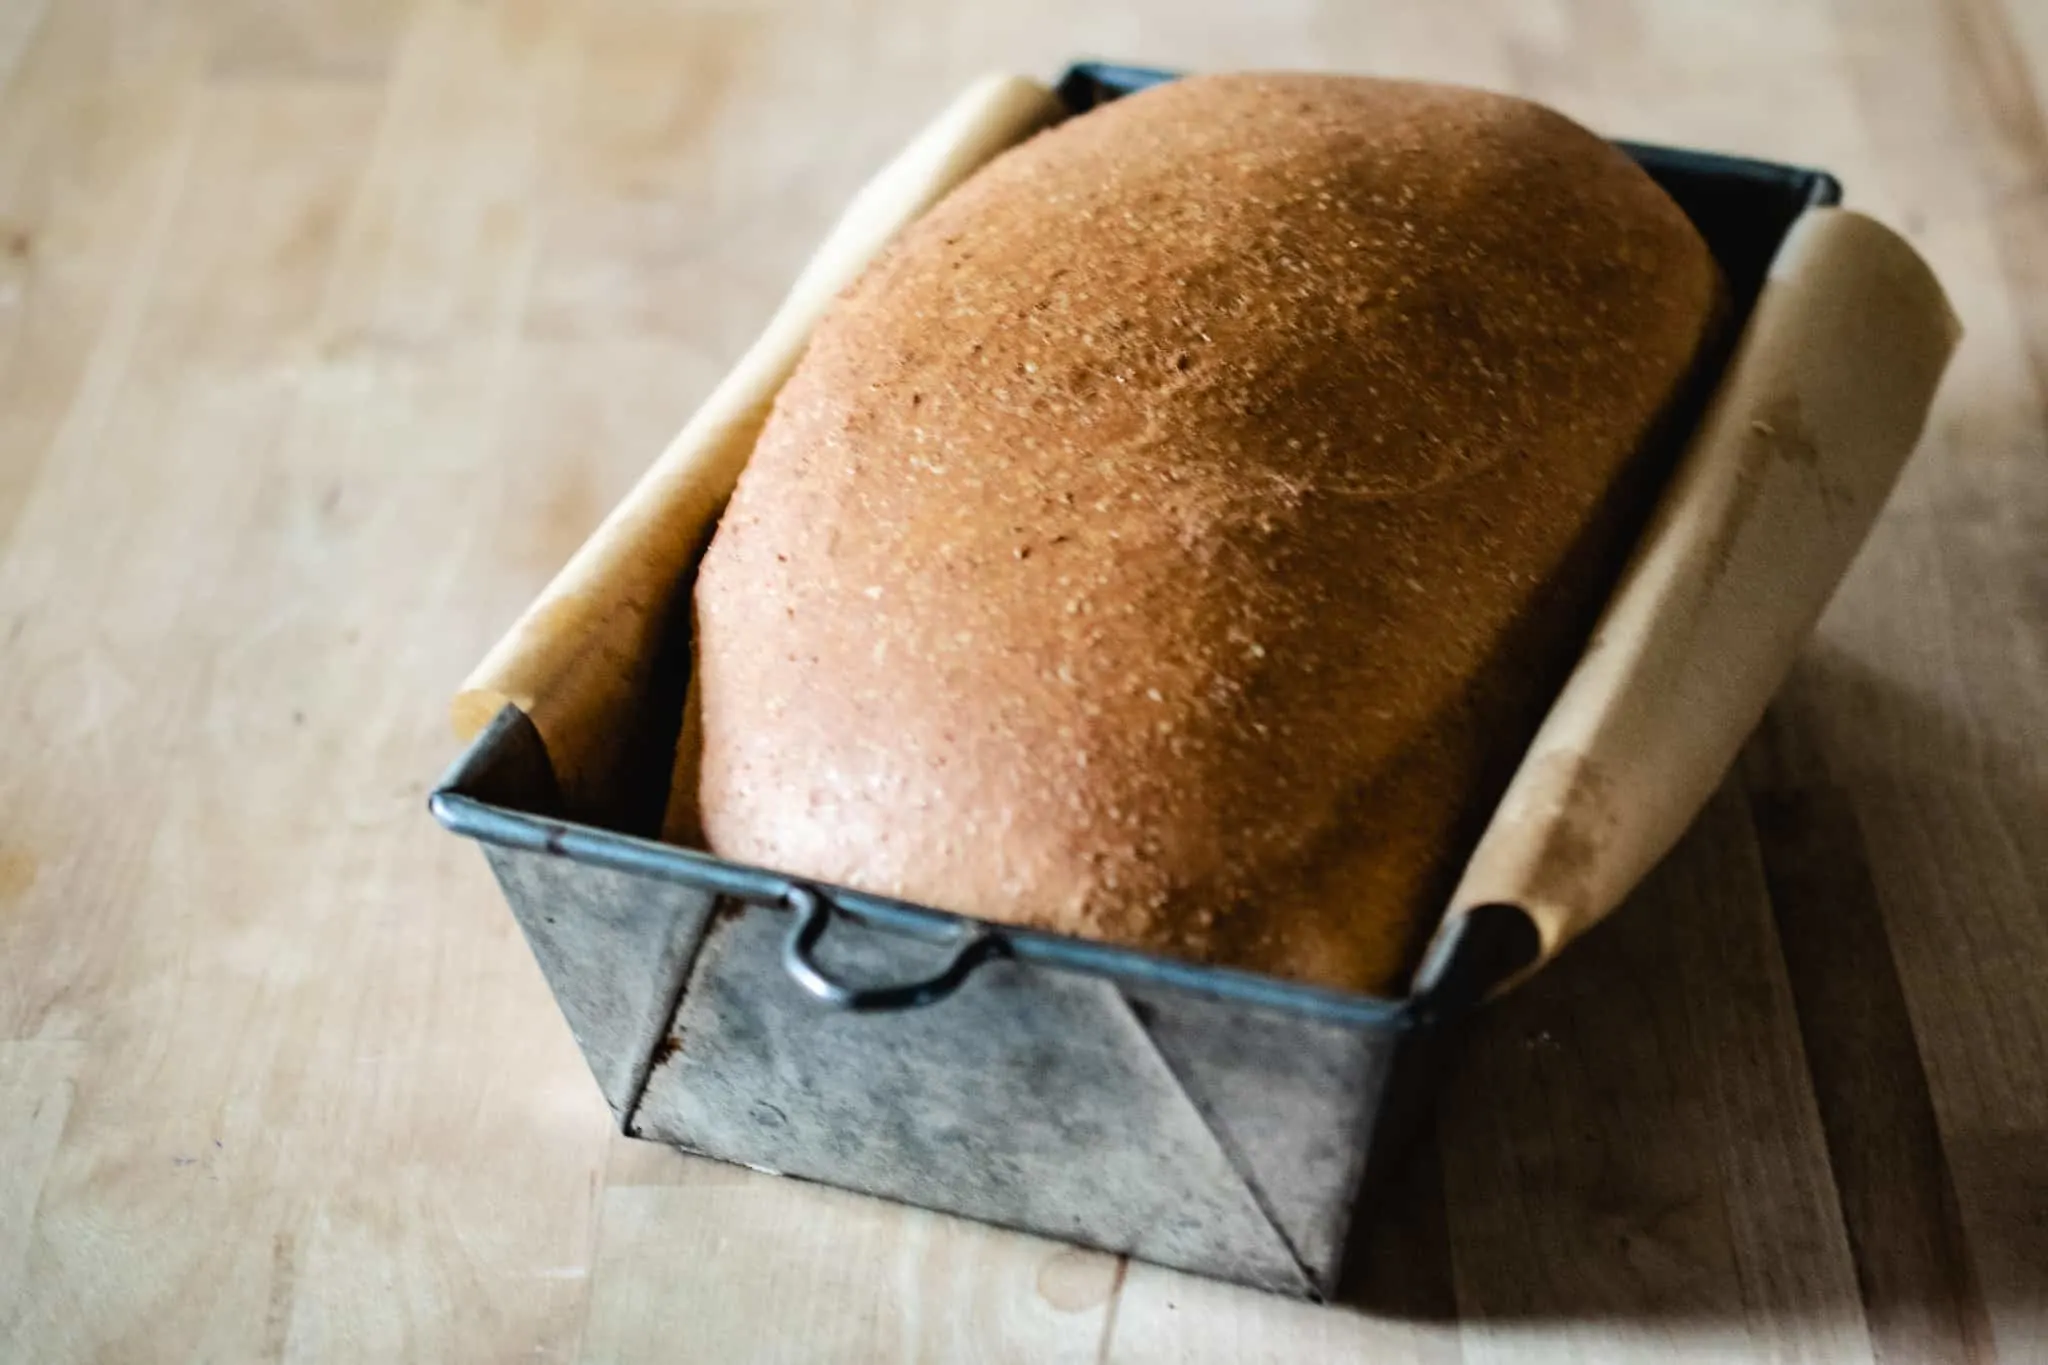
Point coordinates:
[[1212, 1138], [1205, 1133], [614, 949]]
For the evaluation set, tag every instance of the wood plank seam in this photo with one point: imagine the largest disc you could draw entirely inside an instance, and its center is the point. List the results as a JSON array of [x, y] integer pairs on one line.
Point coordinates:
[[85, 422], [1892, 1179]]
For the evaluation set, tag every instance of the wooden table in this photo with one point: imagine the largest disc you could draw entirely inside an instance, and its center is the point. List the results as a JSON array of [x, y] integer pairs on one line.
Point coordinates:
[[328, 329]]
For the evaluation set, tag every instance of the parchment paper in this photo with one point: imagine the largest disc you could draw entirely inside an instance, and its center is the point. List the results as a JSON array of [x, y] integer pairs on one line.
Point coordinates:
[[1821, 403]]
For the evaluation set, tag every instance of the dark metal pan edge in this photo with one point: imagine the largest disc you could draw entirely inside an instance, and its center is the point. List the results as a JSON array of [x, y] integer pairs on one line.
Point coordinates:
[[471, 816]]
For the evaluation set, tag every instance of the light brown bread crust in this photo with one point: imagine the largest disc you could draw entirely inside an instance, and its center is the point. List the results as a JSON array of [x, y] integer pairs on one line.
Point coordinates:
[[1176, 536]]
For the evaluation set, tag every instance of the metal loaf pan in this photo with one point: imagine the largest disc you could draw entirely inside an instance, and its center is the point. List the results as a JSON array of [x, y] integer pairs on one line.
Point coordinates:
[[1199, 1117]]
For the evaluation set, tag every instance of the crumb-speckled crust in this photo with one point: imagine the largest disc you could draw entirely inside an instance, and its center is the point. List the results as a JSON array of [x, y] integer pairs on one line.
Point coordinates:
[[1176, 536]]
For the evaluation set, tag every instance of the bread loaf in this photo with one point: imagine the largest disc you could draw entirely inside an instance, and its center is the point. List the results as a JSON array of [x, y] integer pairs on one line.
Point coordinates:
[[1176, 537]]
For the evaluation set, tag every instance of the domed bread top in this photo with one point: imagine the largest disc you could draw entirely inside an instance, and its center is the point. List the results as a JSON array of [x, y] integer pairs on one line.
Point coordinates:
[[1176, 537]]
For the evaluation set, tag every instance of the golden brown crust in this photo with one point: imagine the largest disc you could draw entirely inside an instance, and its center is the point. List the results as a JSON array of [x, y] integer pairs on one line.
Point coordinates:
[[1174, 538]]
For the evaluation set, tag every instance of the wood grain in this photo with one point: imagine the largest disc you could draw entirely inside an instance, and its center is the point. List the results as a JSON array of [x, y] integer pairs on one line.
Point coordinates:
[[874, 1281], [1884, 1144], [1632, 1147], [36, 1081], [327, 331]]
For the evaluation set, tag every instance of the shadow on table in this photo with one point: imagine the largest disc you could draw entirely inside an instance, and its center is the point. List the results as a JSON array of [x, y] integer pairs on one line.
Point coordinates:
[[1713, 1109]]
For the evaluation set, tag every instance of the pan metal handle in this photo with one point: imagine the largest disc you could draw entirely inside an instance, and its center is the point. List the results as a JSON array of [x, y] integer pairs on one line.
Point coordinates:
[[813, 916]]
